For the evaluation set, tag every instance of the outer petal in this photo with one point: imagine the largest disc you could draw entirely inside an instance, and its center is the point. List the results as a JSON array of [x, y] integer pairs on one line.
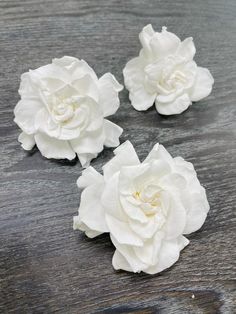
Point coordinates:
[[119, 262], [110, 198], [159, 153], [164, 43], [91, 211], [25, 112], [86, 86], [197, 209], [108, 94], [79, 225], [176, 218], [203, 85], [27, 141], [168, 255], [145, 37], [112, 133], [85, 159], [54, 148], [128, 253], [186, 49], [89, 177], [134, 81], [125, 155], [90, 143], [157, 45], [179, 105], [74, 67], [122, 232]]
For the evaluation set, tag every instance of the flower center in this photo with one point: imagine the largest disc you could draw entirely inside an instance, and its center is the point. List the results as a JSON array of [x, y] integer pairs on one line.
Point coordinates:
[[149, 199], [63, 109]]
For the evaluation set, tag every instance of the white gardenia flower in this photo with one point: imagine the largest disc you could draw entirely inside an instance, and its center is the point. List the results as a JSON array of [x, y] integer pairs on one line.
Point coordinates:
[[146, 207], [165, 73], [63, 108]]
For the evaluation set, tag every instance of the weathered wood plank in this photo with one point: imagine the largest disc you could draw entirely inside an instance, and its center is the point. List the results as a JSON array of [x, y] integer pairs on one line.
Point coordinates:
[[45, 267]]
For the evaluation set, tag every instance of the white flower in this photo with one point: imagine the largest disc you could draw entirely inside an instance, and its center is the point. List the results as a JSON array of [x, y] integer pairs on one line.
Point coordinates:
[[147, 207], [62, 110], [165, 73]]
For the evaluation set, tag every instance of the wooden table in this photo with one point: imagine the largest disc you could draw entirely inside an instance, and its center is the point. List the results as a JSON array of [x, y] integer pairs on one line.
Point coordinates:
[[46, 267]]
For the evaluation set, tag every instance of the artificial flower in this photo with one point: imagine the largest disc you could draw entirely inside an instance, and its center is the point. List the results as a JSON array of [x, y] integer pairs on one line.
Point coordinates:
[[63, 108], [147, 207], [164, 73]]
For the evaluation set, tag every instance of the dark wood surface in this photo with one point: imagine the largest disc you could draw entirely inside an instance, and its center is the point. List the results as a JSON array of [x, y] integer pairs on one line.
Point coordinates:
[[46, 267]]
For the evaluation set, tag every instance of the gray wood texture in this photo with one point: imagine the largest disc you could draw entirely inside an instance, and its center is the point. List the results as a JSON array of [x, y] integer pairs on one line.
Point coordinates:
[[46, 267]]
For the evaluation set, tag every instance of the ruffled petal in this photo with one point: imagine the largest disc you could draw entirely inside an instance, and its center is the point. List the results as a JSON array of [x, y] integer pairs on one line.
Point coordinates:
[[86, 86], [186, 49], [197, 209], [164, 43], [74, 67], [112, 133], [134, 76], [168, 255], [53, 148], [110, 198], [85, 159], [119, 262], [145, 37], [179, 105], [203, 84], [176, 217], [88, 177], [125, 155], [27, 141], [25, 113], [122, 232], [79, 225], [141, 99], [89, 143], [159, 153], [127, 251], [91, 211], [108, 94]]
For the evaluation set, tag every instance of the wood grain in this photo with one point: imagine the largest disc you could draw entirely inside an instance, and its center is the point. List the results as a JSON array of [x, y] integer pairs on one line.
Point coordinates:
[[46, 267]]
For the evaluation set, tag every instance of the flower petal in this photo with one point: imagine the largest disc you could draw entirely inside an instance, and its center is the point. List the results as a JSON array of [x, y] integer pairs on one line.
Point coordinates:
[[186, 49], [198, 208], [108, 93], [27, 141], [112, 133], [122, 232], [53, 148], [145, 36], [85, 159], [176, 217], [125, 155], [203, 85], [79, 225], [86, 86], [168, 255], [89, 143], [159, 153], [75, 68], [25, 112], [179, 105], [134, 81], [110, 198], [128, 253], [119, 262], [91, 211], [88, 177], [141, 99], [164, 43]]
